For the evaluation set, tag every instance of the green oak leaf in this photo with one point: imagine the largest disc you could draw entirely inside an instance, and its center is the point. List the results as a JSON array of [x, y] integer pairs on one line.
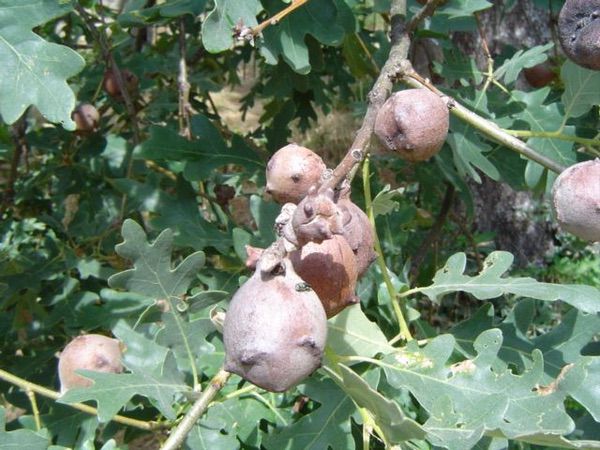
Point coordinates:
[[207, 152], [458, 67], [463, 8], [20, 439], [174, 8], [241, 417], [218, 27], [588, 393], [384, 202], [112, 391], [387, 413], [482, 394], [581, 89], [70, 427], [328, 426], [352, 333], [561, 346], [543, 117], [152, 273], [141, 353], [467, 147], [179, 213], [202, 437], [510, 69], [287, 39], [186, 338], [34, 71], [491, 283]]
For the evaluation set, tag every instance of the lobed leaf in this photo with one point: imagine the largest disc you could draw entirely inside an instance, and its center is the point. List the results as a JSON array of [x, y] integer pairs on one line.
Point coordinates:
[[152, 274], [328, 426], [544, 117], [387, 414], [218, 28], [112, 391], [352, 333], [384, 203], [510, 69], [581, 89], [468, 149], [482, 394], [34, 71], [490, 283], [20, 439], [322, 20]]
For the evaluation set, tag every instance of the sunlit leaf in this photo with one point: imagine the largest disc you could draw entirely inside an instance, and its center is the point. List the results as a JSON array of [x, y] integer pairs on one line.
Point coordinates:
[[34, 71], [352, 333], [491, 283]]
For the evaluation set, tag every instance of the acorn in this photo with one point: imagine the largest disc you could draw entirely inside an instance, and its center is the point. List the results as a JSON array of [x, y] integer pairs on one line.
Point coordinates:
[[86, 118], [275, 328], [413, 123], [291, 171], [579, 32], [329, 268], [576, 200], [90, 352]]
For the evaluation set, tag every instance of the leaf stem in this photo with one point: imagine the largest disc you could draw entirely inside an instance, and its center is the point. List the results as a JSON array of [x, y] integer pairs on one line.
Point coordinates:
[[427, 10], [28, 386], [177, 436], [410, 292], [367, 428], [34, 409], [554, 135], [404, 330], [186, 344], [278, 17]]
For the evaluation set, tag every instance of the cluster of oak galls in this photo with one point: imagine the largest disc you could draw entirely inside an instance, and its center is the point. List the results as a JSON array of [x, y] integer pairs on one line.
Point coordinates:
[[275, 328]]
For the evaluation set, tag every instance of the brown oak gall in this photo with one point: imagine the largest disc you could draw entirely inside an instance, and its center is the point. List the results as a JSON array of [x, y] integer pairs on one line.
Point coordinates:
[[86, 118], [358, 233], [90, 352], [541, 74], [413, 124], [316, 218], [579, 32], [275, 328], [329, 268], [111, 86], [576, 200], [291, 171]]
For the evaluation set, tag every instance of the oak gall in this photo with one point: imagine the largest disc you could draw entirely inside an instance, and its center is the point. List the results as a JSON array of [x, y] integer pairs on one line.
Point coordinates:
[[579, 32], [275, 328], [86, 118], [576, 200], [291, 171], [413, 123], [90, 352]]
